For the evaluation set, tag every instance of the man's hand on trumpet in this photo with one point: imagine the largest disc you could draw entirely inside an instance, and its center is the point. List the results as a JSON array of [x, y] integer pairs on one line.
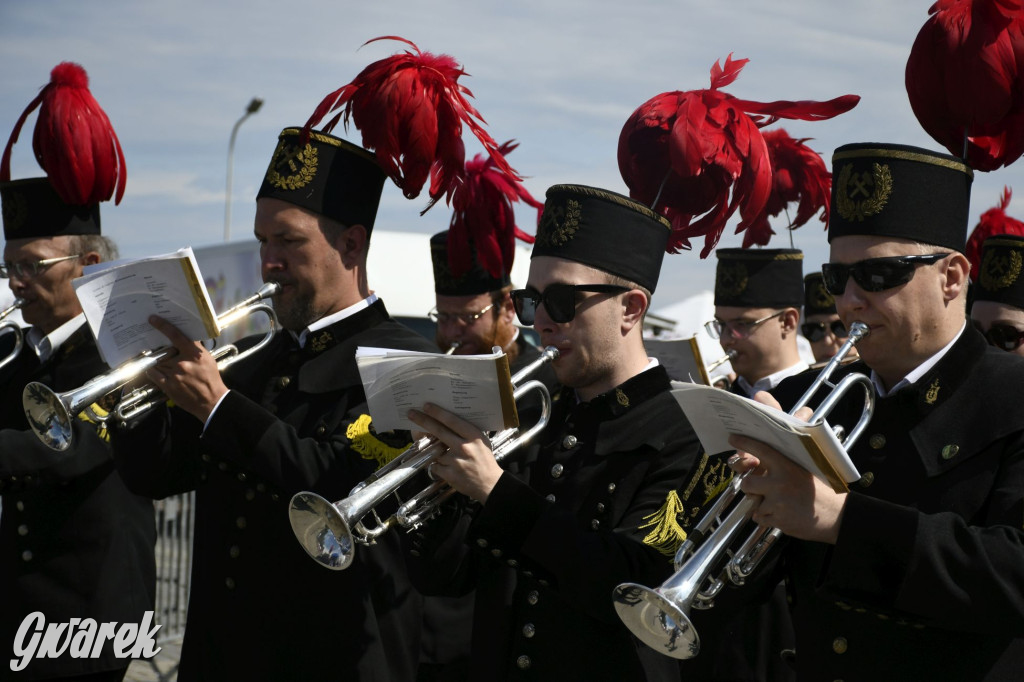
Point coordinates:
[[792, 499], [468, 465], [190, 378]]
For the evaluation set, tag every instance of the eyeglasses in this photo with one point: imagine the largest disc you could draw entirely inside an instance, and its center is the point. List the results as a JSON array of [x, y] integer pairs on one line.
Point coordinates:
[[815, 331], [1004, 336], [465, 318], [25, 269], [875, 274], [738, 329], [559, 300]]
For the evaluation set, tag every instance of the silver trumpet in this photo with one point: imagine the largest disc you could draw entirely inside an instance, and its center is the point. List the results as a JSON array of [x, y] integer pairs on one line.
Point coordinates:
[[51, 414], [659, 617], [329, 531], [14, 328], [722, 381]]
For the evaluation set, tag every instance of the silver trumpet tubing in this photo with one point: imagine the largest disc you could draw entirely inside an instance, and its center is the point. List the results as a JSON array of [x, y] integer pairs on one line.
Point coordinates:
[[707, 560], [51, 414], [722, 381], [12, 327], [451, 348], [329, 531]]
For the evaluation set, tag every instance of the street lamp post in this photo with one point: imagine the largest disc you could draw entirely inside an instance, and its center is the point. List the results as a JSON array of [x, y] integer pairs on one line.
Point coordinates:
[[253, 107]]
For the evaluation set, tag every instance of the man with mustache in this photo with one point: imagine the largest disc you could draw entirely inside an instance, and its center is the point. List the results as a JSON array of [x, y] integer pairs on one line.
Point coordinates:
[[294, 419]]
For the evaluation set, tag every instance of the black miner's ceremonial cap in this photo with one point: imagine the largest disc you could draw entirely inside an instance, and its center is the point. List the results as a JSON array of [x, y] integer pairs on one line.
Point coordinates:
[[327, 175], [604, 230], [891, 190], [476, 281], [32, 209], [817, 300], [759, 278], [999, 277]]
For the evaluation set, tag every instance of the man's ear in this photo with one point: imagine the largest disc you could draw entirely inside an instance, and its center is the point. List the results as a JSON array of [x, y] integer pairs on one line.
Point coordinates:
[[634, 305], [91, 258], [790, 320], [957, 271], [351, 243]]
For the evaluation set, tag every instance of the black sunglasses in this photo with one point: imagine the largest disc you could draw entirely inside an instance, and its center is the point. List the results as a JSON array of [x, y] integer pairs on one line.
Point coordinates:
[[1004, 336], [875, 274], [559, 300], [815, 331]]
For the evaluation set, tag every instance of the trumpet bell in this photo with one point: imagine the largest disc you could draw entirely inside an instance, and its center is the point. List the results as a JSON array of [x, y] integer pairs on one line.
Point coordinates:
[[656, 621], [322, 531], [48, 416]]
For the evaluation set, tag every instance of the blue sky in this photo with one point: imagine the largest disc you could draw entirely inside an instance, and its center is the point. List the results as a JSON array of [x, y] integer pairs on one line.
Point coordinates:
[[559, 77]]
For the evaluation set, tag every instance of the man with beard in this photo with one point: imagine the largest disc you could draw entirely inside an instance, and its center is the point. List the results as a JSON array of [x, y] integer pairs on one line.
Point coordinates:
[[293, 417], [598, 501]]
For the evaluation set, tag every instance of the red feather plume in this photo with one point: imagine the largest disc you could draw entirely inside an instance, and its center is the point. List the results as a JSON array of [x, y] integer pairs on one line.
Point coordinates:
[[410, 109], [798, 175], [965, 79], [484, 217], [683, 153], [74, 141], [992, 222]]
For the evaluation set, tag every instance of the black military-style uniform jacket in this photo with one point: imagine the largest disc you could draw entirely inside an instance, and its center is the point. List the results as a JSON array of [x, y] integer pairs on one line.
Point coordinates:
[[448, 621], [595, 505], [74, 542], [926, 580], [294, 420]]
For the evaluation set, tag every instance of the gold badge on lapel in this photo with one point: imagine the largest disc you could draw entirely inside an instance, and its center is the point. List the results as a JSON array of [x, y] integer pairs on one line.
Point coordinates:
[[291, 167], [862, 195], [999, 268], [621, 397], [933, 392], [321, 342], [558, 224]]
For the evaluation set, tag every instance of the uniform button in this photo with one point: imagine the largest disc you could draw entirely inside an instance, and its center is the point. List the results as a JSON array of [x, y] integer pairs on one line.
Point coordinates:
[[496, 553], [414, 552], [275, 497], [240, 522], [481, 543], [321, 430], [533, 597], [260, 488], [557, 470], [284, 381], [205, 457], [23, 530], [513, 563], [223, 466], [234, 551], [229, 583], [528, 574], [867, 479], [600, 506], [523, 662], [569, 442], [26, 555], [241, 477], [594, 524], [529, 630], [543, 583], [877, 441], [611, 487], [250, 494], [839, 645], [19, 505], [550, 497], [949, 452]]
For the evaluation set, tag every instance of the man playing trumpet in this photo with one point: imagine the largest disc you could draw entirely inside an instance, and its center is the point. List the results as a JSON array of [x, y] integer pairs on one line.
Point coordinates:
[[294, 419], [604, 494], [918, 571]]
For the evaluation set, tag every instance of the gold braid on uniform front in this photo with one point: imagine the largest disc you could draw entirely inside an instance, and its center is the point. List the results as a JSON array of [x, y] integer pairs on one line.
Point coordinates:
[[366, 442]]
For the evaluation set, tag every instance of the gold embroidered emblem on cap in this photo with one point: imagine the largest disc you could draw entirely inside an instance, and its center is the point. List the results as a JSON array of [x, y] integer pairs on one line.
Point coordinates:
[[820, 296], [559, 224], [999, 269], [875, 187], [15, 212], [933, 392], [731, 279], [292, 168]]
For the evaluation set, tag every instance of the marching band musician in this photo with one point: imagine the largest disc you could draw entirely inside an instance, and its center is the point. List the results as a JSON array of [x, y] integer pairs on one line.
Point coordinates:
[[603, 495], [75, 544], [758, 293], [998, 307], [292, 417], [474, 312], [917, 571], [821, 326]]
